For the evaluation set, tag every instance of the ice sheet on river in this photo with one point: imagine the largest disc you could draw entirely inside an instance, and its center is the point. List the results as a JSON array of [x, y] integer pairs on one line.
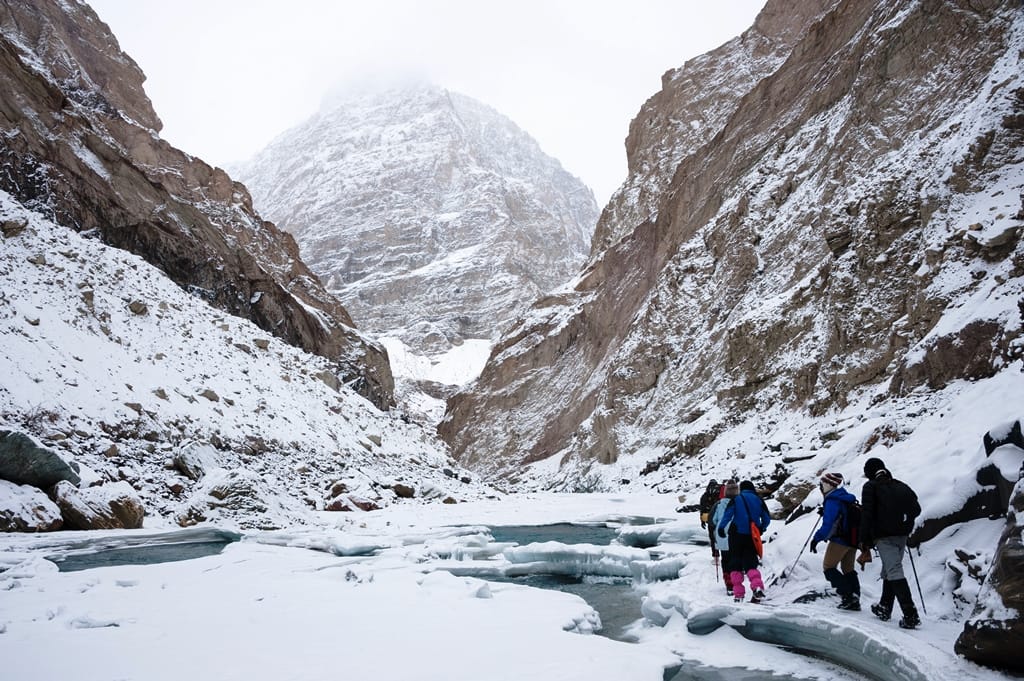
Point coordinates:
[[577, 560], [69, 543], [857, 644]]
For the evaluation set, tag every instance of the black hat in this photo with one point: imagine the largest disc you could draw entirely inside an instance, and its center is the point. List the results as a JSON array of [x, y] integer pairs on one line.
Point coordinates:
[[872, 466], [747, 486]]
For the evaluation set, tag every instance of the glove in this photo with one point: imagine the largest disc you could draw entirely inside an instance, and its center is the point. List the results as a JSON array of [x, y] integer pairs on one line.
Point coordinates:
[[721, 532], [814, 546], [864, 558], [703, 525]]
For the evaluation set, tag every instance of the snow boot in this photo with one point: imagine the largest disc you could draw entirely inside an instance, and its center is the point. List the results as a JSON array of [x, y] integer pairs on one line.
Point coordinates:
[[850, 602], [838, 581], [910, 619], [758, 596], [853, 584], [910, 622], [883, 608]]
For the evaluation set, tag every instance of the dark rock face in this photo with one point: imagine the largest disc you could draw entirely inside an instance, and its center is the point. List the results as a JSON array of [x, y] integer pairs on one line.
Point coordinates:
[[995, 634], [785, 245], [24, 462], [79, 144]]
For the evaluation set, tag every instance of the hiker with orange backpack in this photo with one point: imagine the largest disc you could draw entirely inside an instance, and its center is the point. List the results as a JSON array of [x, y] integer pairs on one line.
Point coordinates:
[[839, 526], [749, 518]]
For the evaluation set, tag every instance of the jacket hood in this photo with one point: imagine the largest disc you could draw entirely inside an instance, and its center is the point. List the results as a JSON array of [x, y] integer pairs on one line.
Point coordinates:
[[841, 494]]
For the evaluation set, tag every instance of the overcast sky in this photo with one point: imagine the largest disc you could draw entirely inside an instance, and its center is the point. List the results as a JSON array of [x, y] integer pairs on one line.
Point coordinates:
[[227, 76]]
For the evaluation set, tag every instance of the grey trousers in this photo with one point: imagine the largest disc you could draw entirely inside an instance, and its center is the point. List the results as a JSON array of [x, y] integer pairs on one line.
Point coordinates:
[[890, 550]]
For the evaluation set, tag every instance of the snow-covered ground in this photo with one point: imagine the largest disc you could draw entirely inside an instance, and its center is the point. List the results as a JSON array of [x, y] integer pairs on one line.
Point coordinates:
[[112, 365], [269, 608], [460, 365]]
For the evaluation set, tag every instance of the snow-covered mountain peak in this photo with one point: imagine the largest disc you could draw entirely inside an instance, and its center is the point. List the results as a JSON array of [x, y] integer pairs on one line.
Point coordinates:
[[433, 217]]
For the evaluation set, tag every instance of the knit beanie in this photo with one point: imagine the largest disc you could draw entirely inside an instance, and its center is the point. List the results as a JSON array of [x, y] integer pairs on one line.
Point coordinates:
[[747, 486], [872, 466], [833, 480], [731, 489]]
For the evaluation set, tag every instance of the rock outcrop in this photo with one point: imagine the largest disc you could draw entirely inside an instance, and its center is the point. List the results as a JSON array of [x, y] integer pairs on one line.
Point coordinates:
[[24, 508], [994, 635], [24, 461], [115, 506], [79, 143], [430, 215], [810, 212]]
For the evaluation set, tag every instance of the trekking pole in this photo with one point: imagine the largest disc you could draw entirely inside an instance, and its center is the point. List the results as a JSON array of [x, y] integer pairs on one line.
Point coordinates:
[[716, 569], [914, 568], [785, 573]]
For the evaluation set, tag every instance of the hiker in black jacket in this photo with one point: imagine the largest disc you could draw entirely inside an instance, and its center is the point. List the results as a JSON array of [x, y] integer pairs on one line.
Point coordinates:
[[887, 518]]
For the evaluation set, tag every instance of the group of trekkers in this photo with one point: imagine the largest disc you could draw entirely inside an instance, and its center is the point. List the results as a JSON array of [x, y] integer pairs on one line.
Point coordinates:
[[735, 520], [735, 517]]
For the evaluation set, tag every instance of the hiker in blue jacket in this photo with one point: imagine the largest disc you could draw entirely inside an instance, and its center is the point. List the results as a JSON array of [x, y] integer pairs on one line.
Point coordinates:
[[745, 509], [838, 563]]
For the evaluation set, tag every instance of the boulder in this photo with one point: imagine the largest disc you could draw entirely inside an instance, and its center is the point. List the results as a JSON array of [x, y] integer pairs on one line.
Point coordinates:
[[351, 502], [403, 491], [996, 438], [194, 459], [25, 462], [330, 379], [24, 508], [114, 506], [994, 635], [241, 494], [12, 228]]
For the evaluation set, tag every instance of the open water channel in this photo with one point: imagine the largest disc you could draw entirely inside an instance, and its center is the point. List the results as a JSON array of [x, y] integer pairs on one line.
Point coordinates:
[[615, 599]]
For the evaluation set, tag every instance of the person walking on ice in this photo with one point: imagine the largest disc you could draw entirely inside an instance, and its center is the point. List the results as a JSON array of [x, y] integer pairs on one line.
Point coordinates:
[[721, 542], [743, 516], [887, 518], [838, 528]]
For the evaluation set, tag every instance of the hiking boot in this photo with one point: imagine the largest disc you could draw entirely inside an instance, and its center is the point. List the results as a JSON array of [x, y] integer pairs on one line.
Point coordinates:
[[758, 596], [849, 603], [910, 622], [737, 599], [910, 618], [881, 612]]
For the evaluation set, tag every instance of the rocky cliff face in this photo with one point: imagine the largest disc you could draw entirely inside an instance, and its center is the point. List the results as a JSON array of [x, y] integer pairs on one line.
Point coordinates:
[[79, 144], [826, 209], [431, 216]]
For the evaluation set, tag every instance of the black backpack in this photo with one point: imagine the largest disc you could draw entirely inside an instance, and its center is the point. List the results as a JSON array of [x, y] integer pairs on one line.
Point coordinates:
[[849, 523]]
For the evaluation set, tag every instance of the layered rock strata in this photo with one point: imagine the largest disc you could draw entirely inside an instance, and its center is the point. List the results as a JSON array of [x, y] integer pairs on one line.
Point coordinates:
[[827, 204]]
